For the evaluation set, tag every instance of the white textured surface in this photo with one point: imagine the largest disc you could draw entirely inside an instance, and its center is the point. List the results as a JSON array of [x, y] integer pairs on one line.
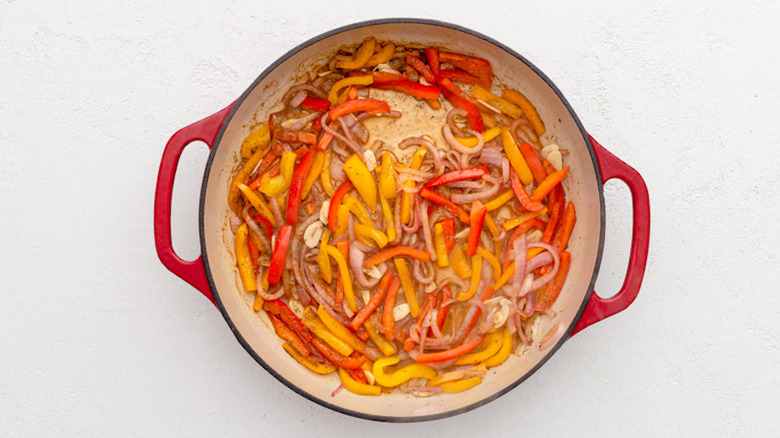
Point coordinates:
[[99, 339]]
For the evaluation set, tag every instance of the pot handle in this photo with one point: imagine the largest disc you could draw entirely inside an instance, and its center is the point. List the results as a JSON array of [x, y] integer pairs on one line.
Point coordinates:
[[599, 308], [190, 271]]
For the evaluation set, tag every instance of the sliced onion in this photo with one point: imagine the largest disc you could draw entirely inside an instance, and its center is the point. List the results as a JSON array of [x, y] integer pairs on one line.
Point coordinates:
[[422, 212], [552, 336], [303, 121], [356, 258], [451, 120], [418, 274], [490, 156], [351, 144], [475, 196], [519, 249], [539, 282], [297, 99]]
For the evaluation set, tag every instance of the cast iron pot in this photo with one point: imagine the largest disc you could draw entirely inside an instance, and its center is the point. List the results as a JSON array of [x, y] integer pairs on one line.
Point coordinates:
[[215, 275]]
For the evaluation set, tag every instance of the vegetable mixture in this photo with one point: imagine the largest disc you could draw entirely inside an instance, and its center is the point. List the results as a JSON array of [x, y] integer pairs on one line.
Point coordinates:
[[414, 266]]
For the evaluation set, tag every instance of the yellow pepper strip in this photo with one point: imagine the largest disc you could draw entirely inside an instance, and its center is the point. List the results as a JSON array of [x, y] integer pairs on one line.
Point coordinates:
[[316, 367], [362, 178], [367, 231], [442, 258], [401, 375], [497, 102], [354, 205], [325, 175], [362, 56], [345, 334], [388, 215], [504, 351], [447, 377], [460, 263], [344, 272], [491, 225], [342, 220], [315, 324], [279, 184], [333, 94], [458, 386], [384, 345], [516, 158], [244, 262], [528, 108], [533, 252], [323, 260], [406, 198], [381, 56], [486, 349], [387, 177], [257, 202], [356, 387], [488, 135], [258, 304], [314, 173], [476, 267], [492, 260], [255, 141], [489, 121], [499, 200], [516, 221], [408, 287]]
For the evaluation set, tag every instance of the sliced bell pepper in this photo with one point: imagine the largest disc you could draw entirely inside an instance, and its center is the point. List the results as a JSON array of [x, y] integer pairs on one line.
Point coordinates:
[[287, 334], [279, 255], [257, 202], [460, 385], [458, 175], [317, 104], [518, 220], [444, 307], [492, 260], [476, 221], [373, 303], [452, 353], [534, 163], [406, 197], [527, 107], [478, 67], [433, 61], [548, 184], [333, 94], [298, 137], [448, 227], [476, 276], [245, 269], [334, 357], [385, 77], [369, 232], [336, 201], [373, 106], [325, 175], [460, 264], [315, 324], [280, 309], [515, 157], [488, 135], [503, 353], [345, 335], [362, 178], [296, 186], [472, 112], [258, 140], [445, 203], [489, 347], [316, 367], [261, 169], [387, 177], [385, 346], [387, 212], [396, 251], [547, 295], [388, 321], [430, 303], [241, 177], [563, 233], [414, 89], [382, 56], [458, 76], [274, 186], [355, 387], [417, 64], [410, 294], [323, 260], [362, 56], [498, 201], [344, 273], [439, 244], [522, 195], [491, 225], [552, 223], [314, 172], [497, 102], [401, 375], [254, 253]]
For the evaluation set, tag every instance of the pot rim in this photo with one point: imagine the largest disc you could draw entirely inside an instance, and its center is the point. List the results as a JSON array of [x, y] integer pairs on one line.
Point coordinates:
[[293, 386]]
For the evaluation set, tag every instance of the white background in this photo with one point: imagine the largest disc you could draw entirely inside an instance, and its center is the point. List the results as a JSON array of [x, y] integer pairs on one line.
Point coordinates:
[[98, 339]]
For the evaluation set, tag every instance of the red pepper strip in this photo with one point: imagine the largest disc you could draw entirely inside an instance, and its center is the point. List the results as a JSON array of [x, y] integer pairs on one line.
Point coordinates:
[[534, 163], [266, 224], [373, 303], [388, 321], [280, 309], [522, 195], [326, 138], [279, 255], [421, 68], [317, 124], [476, 221], [521, 229], [448, 225], [254, 253], [433, 61], [552, 223], [453, 353], [357, 374], [430, 303], [472, 112], [441, 315], [562, 234], [458, 175], [430, 209], [547, 295], [387, 254], [362, 333], [269, 158], [296, 186], [298, 137], [285, 333], [383, 77], [335, 357], [476, 66], [485, 296], [315, 104], [449, 86], [415, 89], [459, 76], [368, 105], [548, 184], [445, 203], [336, 200]]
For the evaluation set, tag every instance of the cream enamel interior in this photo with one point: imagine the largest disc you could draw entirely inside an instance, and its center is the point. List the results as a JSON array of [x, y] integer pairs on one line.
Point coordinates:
[[581, 186]]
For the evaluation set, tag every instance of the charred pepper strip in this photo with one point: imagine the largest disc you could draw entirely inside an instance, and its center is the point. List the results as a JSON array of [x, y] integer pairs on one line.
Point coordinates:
[[316, 367], [421, 68], [334, 357], [287, 334], [280, 309]]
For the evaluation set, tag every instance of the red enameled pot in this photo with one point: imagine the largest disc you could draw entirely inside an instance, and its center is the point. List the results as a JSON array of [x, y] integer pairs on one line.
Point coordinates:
[[215, 275]]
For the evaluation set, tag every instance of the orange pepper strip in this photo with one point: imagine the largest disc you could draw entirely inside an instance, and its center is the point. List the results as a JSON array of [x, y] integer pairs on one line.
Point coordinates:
[[522, 195], [383, 256], [533, 162], [563, 233], [336, 358], [548, 184], [368, 105], [547, 295], [452, 353], [373, 303], [388, 321], [285, 333]]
